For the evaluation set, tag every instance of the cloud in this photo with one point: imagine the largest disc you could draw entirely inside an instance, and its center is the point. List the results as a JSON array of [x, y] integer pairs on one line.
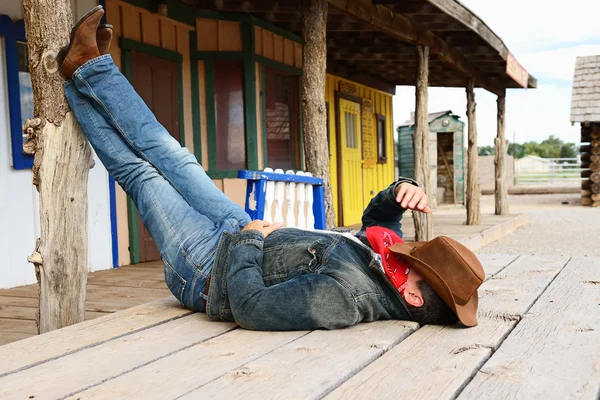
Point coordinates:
[[528, 25], [557, 65]]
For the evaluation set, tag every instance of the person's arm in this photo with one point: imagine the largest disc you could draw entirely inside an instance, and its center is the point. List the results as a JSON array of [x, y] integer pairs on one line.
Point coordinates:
[[386, 209], [305, 302]]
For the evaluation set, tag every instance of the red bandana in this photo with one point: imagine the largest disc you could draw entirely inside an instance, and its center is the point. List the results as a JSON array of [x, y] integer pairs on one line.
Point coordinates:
[[394, 267]]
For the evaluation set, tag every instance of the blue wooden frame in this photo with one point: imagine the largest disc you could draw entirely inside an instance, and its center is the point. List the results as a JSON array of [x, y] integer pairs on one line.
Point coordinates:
[[13, 32], [257, 183]]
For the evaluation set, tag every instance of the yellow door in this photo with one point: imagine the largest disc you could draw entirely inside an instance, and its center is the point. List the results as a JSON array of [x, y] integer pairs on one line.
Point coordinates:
[[351, 185]]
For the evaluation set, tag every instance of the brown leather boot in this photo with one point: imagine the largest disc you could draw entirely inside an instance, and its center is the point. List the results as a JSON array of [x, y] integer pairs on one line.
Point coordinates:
[[104, 36], [82, 47]]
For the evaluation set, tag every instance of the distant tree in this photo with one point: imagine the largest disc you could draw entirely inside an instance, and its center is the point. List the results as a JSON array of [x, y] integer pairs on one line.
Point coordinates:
[[486, 150], [552, 147], [516, 150], [568, 150]]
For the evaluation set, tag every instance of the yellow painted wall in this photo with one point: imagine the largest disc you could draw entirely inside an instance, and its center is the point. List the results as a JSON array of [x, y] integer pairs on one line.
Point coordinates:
[[143, 26], [382, 175]]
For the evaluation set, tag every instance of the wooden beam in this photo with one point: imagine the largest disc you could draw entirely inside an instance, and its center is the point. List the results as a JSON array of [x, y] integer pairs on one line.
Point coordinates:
[[314, 111], [466, 17], [402, 28], [362, 76], [409, 8], [257, 6], [423, 222], [501, 188], [473, 189]]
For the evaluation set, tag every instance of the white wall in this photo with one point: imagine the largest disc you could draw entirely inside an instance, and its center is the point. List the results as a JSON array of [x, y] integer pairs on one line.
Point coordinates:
[[19, 213]]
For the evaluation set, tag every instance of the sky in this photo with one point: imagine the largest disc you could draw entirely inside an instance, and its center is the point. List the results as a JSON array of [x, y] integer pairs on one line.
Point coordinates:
[[545, 39]]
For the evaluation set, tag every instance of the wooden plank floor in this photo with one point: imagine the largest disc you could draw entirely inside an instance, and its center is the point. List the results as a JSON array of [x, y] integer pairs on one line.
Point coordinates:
[[117, 289], [538, 337], [107, 291]]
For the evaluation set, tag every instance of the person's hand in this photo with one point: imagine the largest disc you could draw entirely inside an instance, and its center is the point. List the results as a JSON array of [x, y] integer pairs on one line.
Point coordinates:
[[264, 227], [412, 197]]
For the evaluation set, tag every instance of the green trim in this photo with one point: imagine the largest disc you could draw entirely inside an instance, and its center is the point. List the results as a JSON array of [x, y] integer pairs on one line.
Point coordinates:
[[181, 12], [275, 29], [263, 102], [137, 3], [176, 10], [222, 174], [221, 55], [128, 44], [134, 234], [223, 16], [180, 106], [132, 212], [250, 97], [249, 19], [300, 126], [209, 78], [126, 64], [278, 65], [195, 98]]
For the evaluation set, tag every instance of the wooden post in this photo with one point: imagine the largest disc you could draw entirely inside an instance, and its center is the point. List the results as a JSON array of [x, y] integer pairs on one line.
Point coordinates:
[[473, 189], [423, 223], [62, 161], [501, 192], [314, 111]]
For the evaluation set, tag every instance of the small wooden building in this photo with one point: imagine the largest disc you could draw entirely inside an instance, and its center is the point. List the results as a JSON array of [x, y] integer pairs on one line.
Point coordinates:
[[446, 155], [585, 109]]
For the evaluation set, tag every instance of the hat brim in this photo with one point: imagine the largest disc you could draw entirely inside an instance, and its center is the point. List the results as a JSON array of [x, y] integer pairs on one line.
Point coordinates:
[[466, 313]]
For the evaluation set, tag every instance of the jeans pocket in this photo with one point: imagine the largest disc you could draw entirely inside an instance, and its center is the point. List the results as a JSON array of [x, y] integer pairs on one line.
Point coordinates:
[[174, 281]]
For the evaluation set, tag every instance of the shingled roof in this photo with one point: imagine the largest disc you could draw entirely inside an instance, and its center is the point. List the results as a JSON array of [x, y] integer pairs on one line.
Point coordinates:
[[585, 100]]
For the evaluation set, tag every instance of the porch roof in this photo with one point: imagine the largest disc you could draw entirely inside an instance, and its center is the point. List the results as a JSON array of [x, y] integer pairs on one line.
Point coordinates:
[[374, 42]]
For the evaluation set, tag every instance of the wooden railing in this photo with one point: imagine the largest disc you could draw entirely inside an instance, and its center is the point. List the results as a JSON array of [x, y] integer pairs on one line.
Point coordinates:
[[294, 198]]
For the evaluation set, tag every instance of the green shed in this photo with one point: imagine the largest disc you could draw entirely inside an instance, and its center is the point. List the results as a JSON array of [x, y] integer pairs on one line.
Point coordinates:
[[446, 156]]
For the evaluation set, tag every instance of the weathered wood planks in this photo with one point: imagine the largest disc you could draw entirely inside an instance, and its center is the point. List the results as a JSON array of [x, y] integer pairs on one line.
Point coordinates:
[[544, 345], [311, 366], [41, 348], [554, 352], [62, 376], [436, 362], [192, 367], [494, 263]]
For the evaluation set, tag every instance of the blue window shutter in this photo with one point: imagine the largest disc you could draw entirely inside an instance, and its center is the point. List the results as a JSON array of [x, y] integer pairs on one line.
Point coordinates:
[[12, 33]]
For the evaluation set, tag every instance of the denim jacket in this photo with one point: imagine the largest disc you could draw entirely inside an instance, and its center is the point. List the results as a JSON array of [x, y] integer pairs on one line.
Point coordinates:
[[304, 279]]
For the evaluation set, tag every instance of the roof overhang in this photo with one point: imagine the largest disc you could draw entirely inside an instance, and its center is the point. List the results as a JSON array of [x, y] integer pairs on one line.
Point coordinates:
[[375, 41]]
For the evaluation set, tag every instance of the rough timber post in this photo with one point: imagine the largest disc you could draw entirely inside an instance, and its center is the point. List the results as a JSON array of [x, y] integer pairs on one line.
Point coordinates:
[[60, 172], [314, 112], [423, 223], [501, 191], [473, 190]]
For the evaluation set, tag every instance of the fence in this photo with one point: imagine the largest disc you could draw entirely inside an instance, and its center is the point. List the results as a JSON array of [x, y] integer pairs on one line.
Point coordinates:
[[538, 171]]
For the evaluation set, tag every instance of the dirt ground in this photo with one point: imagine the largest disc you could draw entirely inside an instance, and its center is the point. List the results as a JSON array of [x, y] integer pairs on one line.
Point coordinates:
[[559, 225]]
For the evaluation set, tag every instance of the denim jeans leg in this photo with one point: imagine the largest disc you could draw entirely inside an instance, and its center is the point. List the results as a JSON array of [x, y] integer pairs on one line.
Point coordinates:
[[186, 239], [125, 110]]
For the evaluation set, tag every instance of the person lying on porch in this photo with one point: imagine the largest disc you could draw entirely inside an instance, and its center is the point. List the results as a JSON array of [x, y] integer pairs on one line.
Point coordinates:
[[257, 274]]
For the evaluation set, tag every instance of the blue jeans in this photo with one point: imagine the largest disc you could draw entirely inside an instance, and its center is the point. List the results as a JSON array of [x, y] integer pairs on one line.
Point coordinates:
[[184, 212]]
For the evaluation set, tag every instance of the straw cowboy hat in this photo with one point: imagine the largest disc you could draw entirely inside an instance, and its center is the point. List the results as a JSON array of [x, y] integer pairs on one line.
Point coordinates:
[[451, 269]]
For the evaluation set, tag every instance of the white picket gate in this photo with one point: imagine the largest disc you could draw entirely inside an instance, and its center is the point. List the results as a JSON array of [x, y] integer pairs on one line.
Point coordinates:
[[294, 198]]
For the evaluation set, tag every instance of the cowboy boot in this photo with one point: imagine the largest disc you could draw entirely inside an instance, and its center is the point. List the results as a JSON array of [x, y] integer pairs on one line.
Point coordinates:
[[104, 36], [82, 47]]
